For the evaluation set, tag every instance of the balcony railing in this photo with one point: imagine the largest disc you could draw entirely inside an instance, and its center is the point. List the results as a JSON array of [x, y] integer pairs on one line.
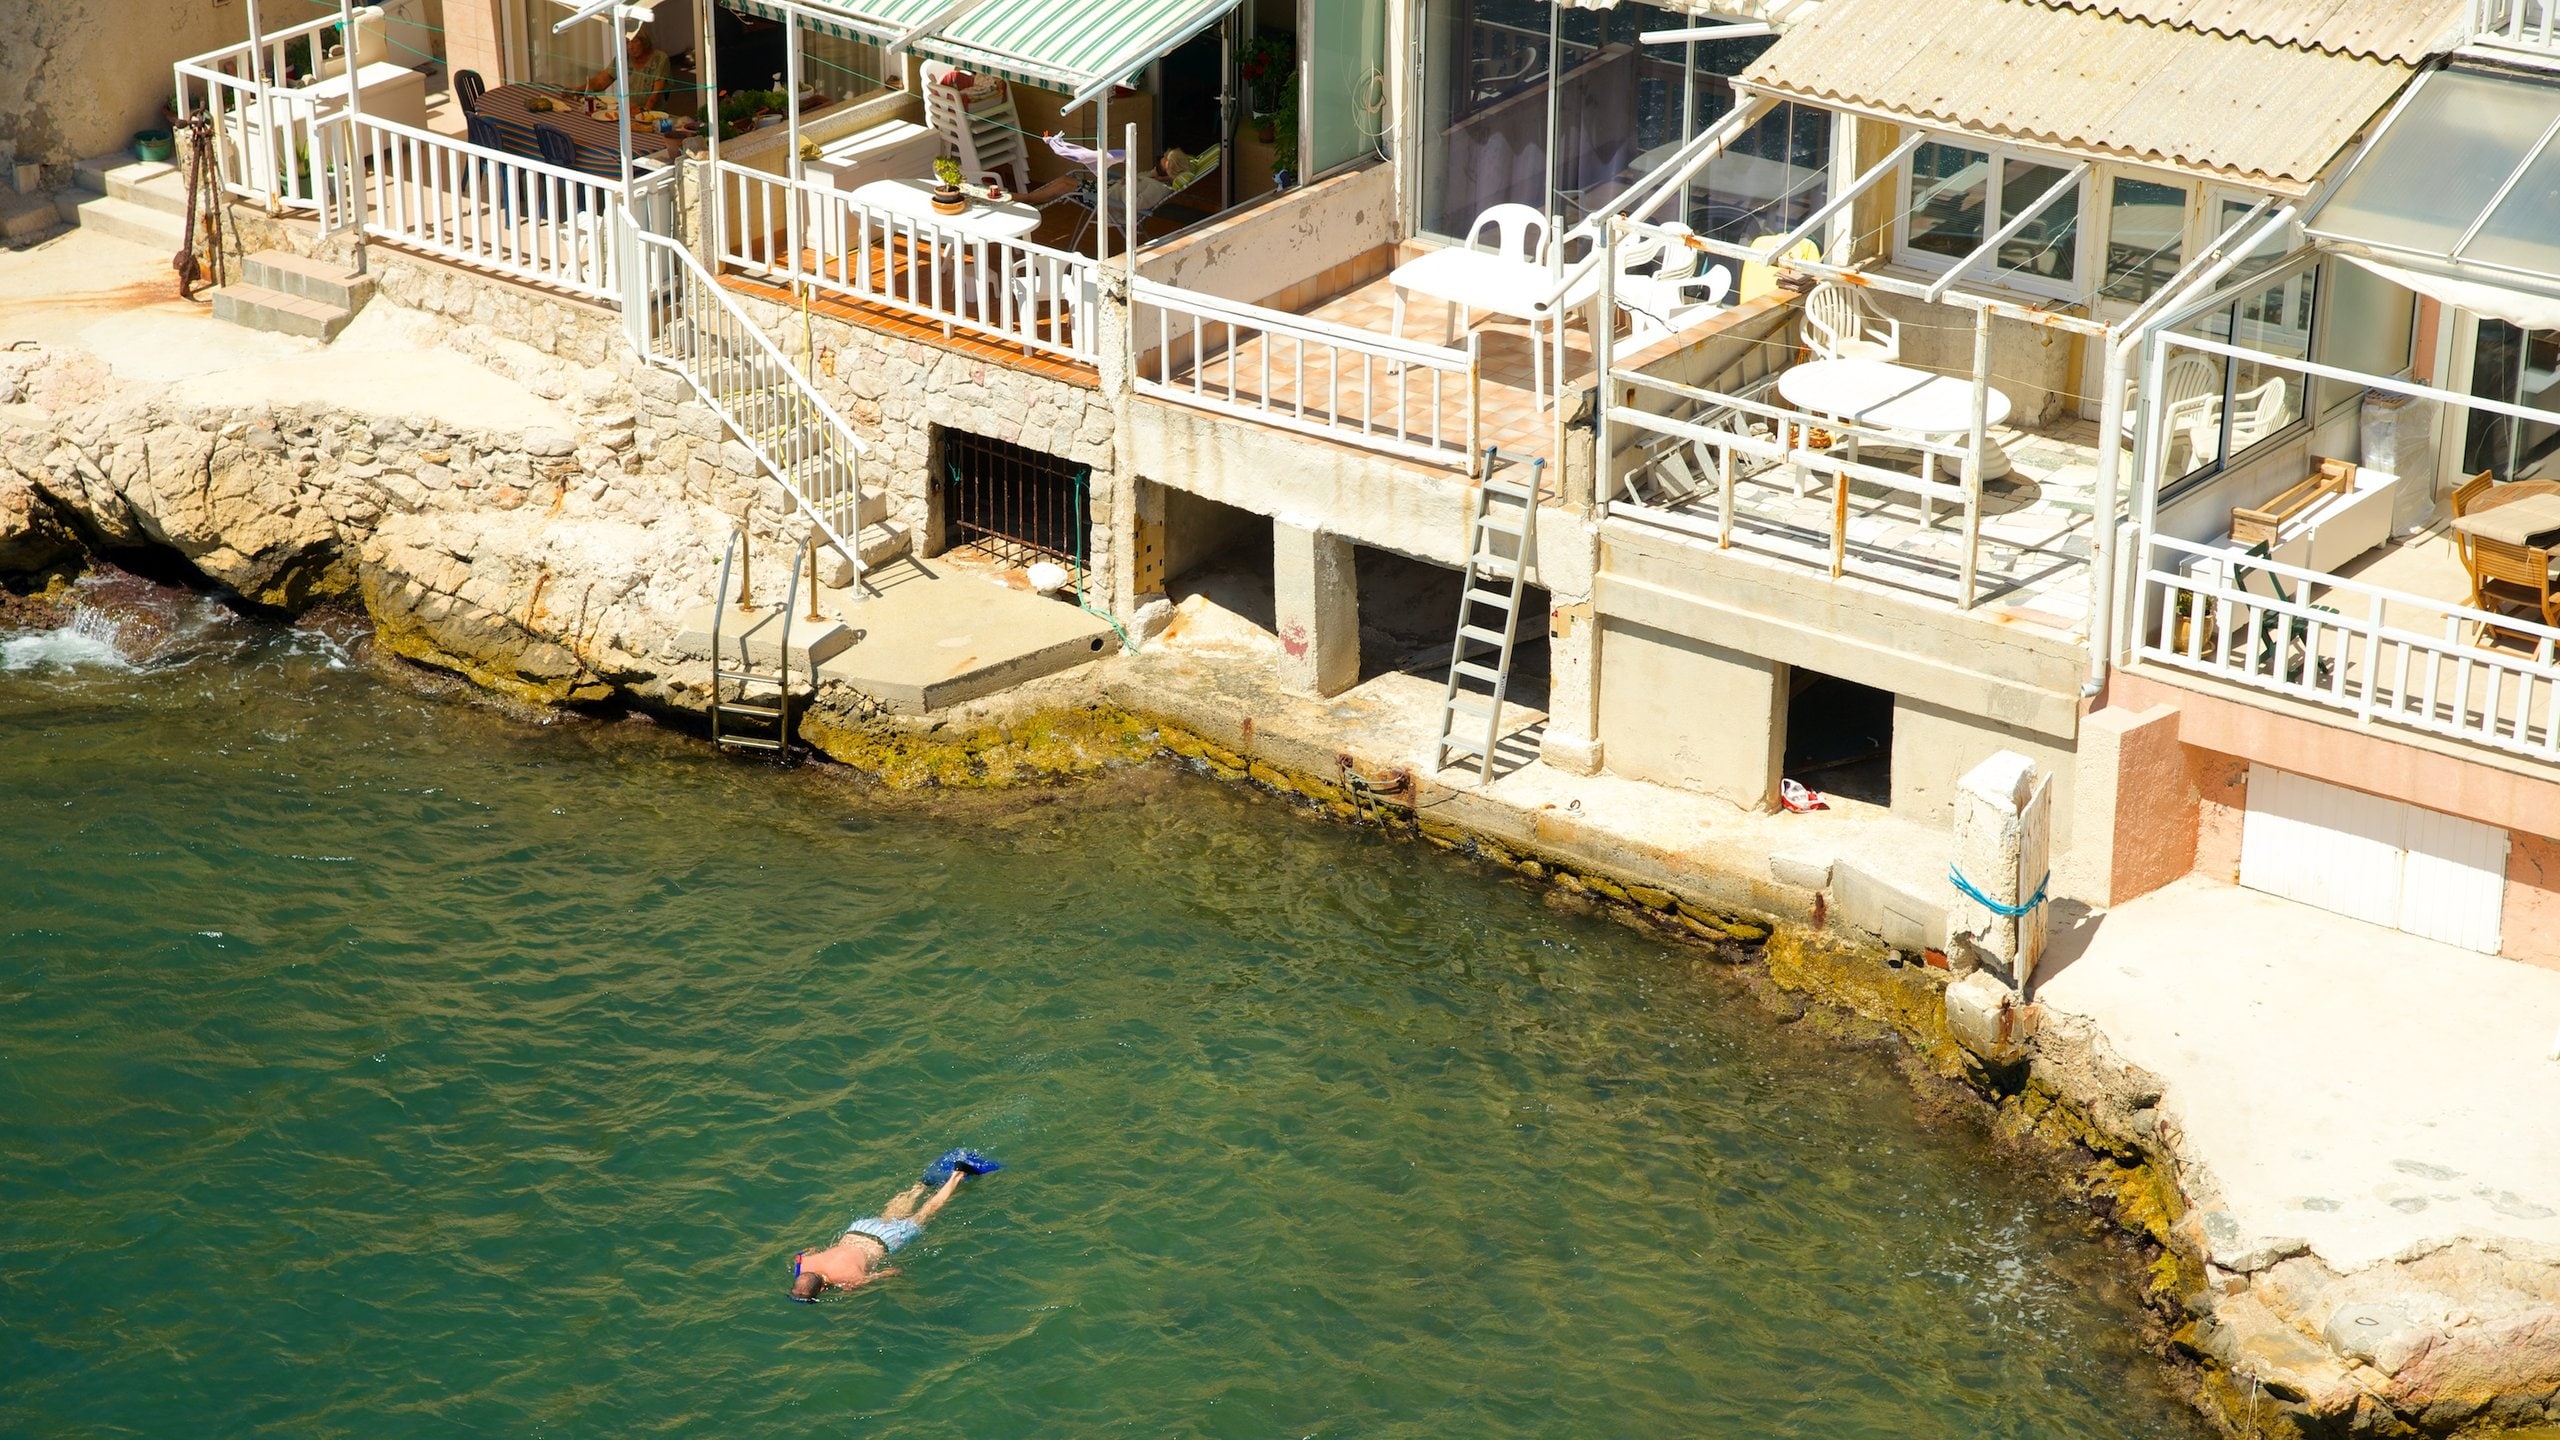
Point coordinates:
[[2525, 25], [268, 145], [1360, 387], [2358, 649], [1024, 294], [492, 211]]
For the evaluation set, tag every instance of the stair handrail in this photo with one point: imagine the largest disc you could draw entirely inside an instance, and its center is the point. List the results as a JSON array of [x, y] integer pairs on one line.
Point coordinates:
[[720, 611], [639, 296]]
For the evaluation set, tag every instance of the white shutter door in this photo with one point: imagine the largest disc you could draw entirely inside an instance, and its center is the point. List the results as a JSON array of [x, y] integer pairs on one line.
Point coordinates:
[[2453, 885], [2323, 845]]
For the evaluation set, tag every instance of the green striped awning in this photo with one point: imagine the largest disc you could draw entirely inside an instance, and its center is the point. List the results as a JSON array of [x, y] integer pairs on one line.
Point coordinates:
[[1079, 46], [875, 21]]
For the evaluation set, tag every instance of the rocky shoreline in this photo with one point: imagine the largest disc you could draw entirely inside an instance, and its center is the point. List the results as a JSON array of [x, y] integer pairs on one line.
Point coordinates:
[[550, 564]]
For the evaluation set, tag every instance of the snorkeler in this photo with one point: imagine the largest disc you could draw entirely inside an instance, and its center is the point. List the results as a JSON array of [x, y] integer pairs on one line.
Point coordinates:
[[868, 1243]]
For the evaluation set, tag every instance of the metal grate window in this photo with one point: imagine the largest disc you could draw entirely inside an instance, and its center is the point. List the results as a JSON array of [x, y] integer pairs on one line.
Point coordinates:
[[1013, 504]]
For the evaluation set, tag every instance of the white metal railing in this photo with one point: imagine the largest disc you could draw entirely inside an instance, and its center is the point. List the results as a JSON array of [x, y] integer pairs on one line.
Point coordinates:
[[1737, 437], [2515, 25], [2373, 653], [482, 208], [1379, 392], [677, 316], [808, 231], [264, 145]]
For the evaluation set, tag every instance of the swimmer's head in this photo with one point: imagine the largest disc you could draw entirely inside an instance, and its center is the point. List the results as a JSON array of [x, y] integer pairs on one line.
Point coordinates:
[[806, 1287]]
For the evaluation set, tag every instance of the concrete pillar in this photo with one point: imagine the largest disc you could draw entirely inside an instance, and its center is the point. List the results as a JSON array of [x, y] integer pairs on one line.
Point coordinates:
[[476, 39], [1315, 607], [1571, 742], [2003, 845], [1139, 509], [2133, 824], [1679, 711]]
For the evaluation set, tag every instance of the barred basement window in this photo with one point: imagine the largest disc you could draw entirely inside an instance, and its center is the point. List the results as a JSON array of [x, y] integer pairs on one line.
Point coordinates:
[[1012, 504]]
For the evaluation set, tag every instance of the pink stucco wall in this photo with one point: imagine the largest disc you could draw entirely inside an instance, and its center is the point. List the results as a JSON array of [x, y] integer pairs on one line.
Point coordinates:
[[2374, 761], [2530, 929]]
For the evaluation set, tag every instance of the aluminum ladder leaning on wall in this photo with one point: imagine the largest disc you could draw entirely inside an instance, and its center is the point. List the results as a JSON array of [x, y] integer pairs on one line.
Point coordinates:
[[1501, 545]]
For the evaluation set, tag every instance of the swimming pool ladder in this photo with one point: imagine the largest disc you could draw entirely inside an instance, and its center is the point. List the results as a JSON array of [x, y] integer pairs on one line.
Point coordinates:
[[764, 693], [1501, 544]]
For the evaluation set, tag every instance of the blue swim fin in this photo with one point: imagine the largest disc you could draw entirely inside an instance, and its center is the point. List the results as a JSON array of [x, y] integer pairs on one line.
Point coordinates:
[[965, 1160]]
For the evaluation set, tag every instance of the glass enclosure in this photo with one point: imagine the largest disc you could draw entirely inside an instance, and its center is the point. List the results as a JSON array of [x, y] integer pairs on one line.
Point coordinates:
[[2146, 238], [2217, 408], [1346, 82], [1564, 109], [2521, 367]]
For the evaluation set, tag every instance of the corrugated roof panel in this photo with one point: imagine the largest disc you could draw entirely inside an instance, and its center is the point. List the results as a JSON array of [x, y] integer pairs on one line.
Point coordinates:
[[2404, 30], [2087, 83]]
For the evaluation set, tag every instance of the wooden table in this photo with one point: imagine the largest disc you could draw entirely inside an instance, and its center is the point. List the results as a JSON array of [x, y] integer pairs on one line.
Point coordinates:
[[598, 141], [2522, 512]]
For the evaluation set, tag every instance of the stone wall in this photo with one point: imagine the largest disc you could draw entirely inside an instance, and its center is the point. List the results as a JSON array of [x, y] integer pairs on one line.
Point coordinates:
[[78, 77]]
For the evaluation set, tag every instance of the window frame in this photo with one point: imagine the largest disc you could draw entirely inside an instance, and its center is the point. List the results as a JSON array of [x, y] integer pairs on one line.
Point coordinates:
[[1990, 275]]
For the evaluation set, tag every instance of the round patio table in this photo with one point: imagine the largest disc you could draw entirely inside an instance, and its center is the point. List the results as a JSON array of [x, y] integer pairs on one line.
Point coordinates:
[[1883, 396]]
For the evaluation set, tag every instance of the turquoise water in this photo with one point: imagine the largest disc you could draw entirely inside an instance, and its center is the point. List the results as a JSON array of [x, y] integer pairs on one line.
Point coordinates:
[[372, 1064]]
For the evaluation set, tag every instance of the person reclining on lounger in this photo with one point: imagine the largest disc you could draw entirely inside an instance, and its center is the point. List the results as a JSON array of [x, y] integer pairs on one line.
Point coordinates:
[[863, 1253]]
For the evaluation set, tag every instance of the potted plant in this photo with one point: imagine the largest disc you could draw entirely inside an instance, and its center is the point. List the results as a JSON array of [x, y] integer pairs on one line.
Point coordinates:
[[947, 199], [1270, 66]]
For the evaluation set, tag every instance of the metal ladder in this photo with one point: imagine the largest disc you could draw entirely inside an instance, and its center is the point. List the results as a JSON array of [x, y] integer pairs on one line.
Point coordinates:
[[1476, 688], [774, 715]]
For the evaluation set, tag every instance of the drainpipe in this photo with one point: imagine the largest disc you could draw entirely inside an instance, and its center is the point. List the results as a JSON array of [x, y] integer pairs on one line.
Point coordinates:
[[2102, 608]]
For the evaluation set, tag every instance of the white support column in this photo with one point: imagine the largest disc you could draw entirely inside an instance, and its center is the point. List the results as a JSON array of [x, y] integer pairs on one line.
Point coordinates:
[[258, 82], [2003, 852], [351, 52], [1315, 608], [1102, 175]]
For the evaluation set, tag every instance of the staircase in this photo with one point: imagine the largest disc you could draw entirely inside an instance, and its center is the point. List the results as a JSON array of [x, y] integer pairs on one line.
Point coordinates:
[[1500, 548], [678, 317], [292, 294], [144, 201]]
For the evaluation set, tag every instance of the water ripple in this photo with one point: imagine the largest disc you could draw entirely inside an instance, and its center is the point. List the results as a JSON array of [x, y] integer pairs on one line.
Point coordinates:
[[370, 1063]]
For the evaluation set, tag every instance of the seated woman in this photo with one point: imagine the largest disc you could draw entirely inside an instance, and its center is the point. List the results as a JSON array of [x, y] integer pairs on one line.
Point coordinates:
[[1168, 165], [649, 74]]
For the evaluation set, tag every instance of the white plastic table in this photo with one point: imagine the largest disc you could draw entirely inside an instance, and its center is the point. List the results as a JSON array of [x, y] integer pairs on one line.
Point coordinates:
[[987, 220], [1467, 279], [1884, 396]]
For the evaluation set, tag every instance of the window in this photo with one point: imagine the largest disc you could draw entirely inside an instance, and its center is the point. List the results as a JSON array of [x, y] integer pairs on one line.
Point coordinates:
[[2146, 238], [1951, 192], [1948, 185], [2212, 423], [1621, 109]]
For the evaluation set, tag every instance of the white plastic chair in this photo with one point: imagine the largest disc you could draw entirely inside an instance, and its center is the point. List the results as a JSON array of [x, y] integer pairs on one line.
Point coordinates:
[[2257, 414], [1839, 324], [2184, 378], [1674, 296]]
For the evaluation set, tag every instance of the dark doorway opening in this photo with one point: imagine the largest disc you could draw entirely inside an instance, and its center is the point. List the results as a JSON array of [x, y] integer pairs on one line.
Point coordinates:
[[1012, 504], [1219, 552], [1839, 737], [1409, 621]]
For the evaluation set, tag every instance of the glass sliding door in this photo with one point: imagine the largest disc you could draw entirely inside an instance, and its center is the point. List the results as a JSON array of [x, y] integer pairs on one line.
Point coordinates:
[[1345, 108], [1564, 110], [2520, 367]]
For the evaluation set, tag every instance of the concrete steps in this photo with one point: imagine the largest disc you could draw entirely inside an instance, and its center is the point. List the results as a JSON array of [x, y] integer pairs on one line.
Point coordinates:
[[27, 218], [144, 201], [289, 294]]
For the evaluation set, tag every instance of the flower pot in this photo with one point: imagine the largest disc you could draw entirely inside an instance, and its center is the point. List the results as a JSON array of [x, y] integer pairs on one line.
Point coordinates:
[[157, 145], [947, 200], [1266, 130]]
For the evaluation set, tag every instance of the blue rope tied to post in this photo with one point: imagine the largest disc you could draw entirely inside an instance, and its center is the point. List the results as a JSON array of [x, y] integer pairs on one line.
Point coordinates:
[[1995, 907]]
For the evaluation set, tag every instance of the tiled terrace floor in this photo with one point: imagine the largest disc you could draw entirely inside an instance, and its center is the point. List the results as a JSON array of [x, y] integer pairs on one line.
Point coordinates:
[[1359, 391], [2034, 557]]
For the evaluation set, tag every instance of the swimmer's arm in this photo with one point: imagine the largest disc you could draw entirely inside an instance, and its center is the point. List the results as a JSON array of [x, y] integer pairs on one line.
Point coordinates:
[[941, 1197]]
